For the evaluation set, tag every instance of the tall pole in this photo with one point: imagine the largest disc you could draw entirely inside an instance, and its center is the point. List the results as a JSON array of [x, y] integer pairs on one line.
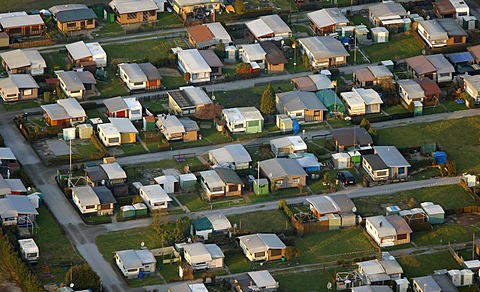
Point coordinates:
[[70, 170], [355, 52], [294, 55], [258, 177], [473, 246]]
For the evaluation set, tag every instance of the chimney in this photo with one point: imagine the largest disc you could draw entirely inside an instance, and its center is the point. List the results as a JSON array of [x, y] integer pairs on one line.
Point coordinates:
[[381, 224]]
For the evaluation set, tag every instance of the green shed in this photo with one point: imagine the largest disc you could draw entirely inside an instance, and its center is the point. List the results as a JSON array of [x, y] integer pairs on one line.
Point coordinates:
[[201, 227], [334, 221], [108, 14], [98, 9], [355, 157], [331, 101], [127, 211], [187, 181], [435, 213], [148, 123], [260, 186], [140, 210]]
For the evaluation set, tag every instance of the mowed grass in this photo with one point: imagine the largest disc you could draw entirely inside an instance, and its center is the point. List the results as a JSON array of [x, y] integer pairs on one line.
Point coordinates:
[[459, 138], [138, 51], [265, 221], [333, 245], [249, 96], [400, 46], [303, 281], [449, 197], [425, 264], [442, 234]]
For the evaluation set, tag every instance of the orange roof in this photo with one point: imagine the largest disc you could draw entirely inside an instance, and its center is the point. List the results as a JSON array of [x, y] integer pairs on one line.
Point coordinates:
[[200, 34], [420, 65], [443, 7], [364, 75], [475, 51]]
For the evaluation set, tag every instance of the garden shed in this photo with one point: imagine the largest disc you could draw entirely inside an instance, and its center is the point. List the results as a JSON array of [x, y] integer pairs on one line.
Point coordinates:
[[435, 213], [188, 181], [85, 131], [341, 160], [260, 186], [331, 101], [149, 123], [380, 34], [440, 157], [284, 123], [140, 209], [127, 211]]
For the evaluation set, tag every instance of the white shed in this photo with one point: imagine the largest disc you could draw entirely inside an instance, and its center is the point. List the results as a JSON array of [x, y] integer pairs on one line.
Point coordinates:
[[168, 182], [341, 160], [35, 199], [380, 34], [98, 54], [29, 249]]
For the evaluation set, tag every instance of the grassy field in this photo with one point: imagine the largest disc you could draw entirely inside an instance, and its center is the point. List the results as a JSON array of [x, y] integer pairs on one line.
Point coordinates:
[[442, 234], [333, 245], [251, 96], [53, 252], [459, 146], [400, 46], [360, 19], [421, 265], [140, 50], [265, 221], [302, 281], [172, 82], [14, 106], [449, 197]]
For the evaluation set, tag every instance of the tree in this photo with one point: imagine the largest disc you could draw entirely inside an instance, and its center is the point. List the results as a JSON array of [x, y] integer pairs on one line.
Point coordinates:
[[46, 97], [451, 168], [220, 50], [375, 135], [137, 199], [243, 69], [209, 112], [83, 277], [326, 179], [239, 7], [365, 124], [183, 225], [411, 107], [267, 105], [306, 61]]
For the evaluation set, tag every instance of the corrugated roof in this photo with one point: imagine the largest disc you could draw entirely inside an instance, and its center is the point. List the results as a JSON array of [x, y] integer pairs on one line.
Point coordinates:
[[261, 242], [211, 58], [364, 75], [113, 171], [71, 80], [429, 86], [323, 47], [254, 51], [274, 54], [391, 156], [156, 194], [369, 96], [194, 61], [421, 65], [399, 224], [131, 6], [72, 107], [434, 29], [280, 167], [150, 71], [189, 124], [123, 125], [296, 142], [327, 16], [219, 32], [170, 124], [134, 72], [86, 195], [452, 27], [348, 136], [262, 279], [18, 21], [387, 9], [413, 89], [219, 222], [212, 179], [66, 7], [78, 50], [276, 23], [115, 104], [440, 63], [234, 153], [382, 225], [104, 195], [259, 28], [7, 154], [75, 15], [228, 176], [462, 57]]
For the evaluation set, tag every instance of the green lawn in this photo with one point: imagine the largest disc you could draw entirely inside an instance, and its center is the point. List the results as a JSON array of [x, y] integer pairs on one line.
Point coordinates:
[[140, 50], [278, 195], [295, 69], [193, 202], [338, 123], [30, 4], [265, 221], [400, 46], [359, 19], [55, 61], [133, 149], [427, 173], [156, 105], [458, 138], [449, 197], [397, 109], [20, 105], [442, 234], [425, 264], [432, 110], [333, 245], [296, 28], [113, 87], [53, 252], [302, 281], [110, 29], [453, 106], [95, 113], [249, 96], [173, 82], [87, 151]]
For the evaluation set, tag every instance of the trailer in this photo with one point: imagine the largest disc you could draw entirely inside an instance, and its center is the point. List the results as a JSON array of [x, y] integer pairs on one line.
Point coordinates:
[[29, 250]]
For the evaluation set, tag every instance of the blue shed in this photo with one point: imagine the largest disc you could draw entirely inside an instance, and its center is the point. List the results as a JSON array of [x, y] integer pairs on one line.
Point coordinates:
[[440, 157], [295, 127]]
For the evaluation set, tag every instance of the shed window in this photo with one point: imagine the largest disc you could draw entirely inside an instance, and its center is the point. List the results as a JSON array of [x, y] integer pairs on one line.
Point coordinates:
[[275, 252], [401, 170], [296, 180], [401, 237], [382, 173], [259, 254]]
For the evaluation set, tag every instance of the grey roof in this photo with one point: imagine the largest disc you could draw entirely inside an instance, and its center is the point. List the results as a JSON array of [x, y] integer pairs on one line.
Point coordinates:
[[275, 23], [400, 225], [414, 90], [193, 96], [300, 100], [228, 176], [324, 47], [7, 154], [474, 81], [194, 61], [197, 252], [382, 225], [262, 279], [234, 153], [131, 6], [170, 124], [4, 187], [375, 161], [150, 71], [261, 242], [214, 251], [212, 179], [13, 83], [104, 195], [434, 29], [380, 71], [75, 15], [113, 170], [55, 111], [372, 289], [21, 204], [23, 58], [134, 72], [387, 9], [71, 80], [444, 282], [86, 195], [96, 173], [440, 63], [347, 136], [280, 167], [18, 21], [189, 124], [66, 7], [296, 142], [72, 107], [327, 16], [452, 27], [332, 204], [211, 58], [391, 156], [115, 104], [219, 32], [123, 125], [274, 54], [428, 282], [78, 50], [134, 259], [16, 185]]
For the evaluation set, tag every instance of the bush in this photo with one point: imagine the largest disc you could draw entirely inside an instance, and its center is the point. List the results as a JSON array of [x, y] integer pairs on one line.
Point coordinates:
[[98, 144]]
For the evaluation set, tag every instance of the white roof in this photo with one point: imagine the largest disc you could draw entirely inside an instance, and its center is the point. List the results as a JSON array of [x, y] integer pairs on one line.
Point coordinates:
[[86, 195], [254, 51], [16, 185], [369, 96], [187, 177], [338, 156], [23, 20], [130, 6], [165, 179], [391, 156], [261, 242], [234, 153], [22, 58], [440, 63], [382, 225], [262, 278], [413, 89], [219, 221], [474, 81], [434, 29], [296, 142], [108, 129], [328, 16], [276, 23], [12, 14], [170, 124], [259, 28], [156, 194], [197, 95], [321, 81], [134, 72], [123, 125], [379, 29], [113, 170], [72, 107], [324, 47], [134, 259], [95, 49], [198, 253], [132, 103], [352, 98], [242, 114], [219, 32], [194, 61], [432, 209], [78, 50], [212, 179], [28, 245], [6, 153]]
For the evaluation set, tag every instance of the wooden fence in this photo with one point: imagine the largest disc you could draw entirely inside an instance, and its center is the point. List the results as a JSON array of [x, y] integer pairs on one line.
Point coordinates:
[[455, 255], [471, 192], [30, 44]]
